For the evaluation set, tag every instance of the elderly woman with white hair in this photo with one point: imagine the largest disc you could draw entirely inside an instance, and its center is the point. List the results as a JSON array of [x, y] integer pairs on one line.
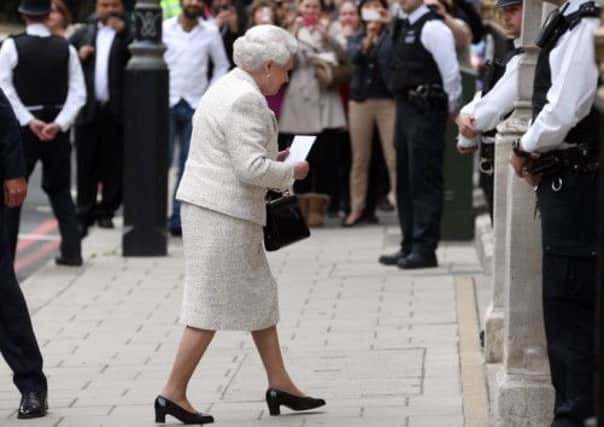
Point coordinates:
[[233, 161]]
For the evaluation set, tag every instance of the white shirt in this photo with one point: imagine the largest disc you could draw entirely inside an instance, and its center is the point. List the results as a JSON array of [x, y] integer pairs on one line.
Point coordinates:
[[437, 38], [76, 94], [187, 56], [489, 110], [574, 83], [104, 40]]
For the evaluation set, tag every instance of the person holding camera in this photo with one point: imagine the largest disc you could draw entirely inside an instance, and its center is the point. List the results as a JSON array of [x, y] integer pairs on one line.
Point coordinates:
[[425, 80], [371, 102], [313, 109], [229, 25]]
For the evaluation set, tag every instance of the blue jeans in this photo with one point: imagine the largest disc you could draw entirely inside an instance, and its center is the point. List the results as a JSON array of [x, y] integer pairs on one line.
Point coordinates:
[[181, 126]]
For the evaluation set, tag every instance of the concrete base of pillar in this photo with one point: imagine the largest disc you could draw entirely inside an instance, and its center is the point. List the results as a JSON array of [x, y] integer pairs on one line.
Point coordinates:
[[484, 242], [523, 401], [493, 335]]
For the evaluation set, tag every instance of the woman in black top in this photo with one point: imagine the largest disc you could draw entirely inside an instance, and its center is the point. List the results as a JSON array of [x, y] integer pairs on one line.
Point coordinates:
[[371, 102]]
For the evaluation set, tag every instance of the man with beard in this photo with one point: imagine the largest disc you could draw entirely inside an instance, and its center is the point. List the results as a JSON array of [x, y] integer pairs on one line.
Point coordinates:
[[103, 49], [190, 43]]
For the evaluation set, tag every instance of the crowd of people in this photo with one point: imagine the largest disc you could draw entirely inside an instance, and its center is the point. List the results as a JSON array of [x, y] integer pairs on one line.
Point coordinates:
[[375, 82]]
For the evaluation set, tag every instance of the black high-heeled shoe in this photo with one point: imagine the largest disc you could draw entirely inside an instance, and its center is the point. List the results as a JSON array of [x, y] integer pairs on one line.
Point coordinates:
[[165, 407], [276, 398]]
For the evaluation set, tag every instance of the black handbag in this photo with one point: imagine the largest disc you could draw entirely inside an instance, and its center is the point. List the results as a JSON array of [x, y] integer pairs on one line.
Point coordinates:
[[285, 223]]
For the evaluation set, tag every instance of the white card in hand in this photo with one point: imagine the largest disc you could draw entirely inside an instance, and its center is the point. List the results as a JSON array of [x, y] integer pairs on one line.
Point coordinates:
[[300, 148]]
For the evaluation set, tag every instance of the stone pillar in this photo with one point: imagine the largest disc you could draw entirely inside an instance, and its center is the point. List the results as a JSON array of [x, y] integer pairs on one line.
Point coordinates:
[[525, 397], [506, 133], [493, 326]]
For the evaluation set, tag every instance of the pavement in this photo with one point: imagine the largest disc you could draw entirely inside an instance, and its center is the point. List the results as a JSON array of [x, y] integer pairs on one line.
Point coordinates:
[[384, 347]]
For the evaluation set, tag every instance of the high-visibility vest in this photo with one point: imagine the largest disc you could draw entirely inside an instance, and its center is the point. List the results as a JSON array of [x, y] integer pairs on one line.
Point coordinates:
[[170, 8]]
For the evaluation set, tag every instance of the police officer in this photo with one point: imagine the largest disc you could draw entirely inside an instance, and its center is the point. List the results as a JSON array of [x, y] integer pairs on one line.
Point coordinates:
[[425, 79], [559, 154], [43, 80], [478, 119], [17, 340]]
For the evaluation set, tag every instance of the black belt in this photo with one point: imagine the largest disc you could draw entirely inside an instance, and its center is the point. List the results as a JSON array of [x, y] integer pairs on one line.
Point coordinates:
[[427, 97], [573, 160]]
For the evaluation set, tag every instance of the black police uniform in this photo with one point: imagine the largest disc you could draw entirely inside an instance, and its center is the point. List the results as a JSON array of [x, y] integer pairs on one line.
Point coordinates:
[[493, 72], [567, 201], [18, 343], [41, 79], [421, 117]]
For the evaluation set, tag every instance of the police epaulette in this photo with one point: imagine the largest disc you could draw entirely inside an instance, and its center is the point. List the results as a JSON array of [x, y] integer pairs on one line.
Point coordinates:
[[586, 10]]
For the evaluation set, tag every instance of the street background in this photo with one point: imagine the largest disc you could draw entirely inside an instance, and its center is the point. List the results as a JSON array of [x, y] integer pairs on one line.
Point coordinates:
[[383, 346]]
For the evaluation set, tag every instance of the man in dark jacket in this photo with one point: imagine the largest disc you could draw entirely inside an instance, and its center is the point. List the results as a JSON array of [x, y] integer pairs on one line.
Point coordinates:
[[103, 49], [18, 343]]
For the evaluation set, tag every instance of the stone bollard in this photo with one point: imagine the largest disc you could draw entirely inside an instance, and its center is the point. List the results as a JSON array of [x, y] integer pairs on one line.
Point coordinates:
[[524, 397]]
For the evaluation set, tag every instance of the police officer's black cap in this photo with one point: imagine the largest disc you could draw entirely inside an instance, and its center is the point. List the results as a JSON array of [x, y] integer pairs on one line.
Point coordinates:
[[506, 3], [34, 7]]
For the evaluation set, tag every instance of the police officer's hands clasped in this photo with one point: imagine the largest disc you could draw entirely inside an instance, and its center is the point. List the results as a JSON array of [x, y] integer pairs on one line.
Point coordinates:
[[50, 131], [44, 131], [15, 191], [465, 122], [37, 128]]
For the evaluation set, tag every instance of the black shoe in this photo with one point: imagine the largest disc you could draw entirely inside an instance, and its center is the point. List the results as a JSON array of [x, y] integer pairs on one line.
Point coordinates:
[[393, 259], [165, 407], [385, 205], [415, 260], [69, 261], [370, 219], [276, 398], [33, 404], [176, 231], [105, 222]]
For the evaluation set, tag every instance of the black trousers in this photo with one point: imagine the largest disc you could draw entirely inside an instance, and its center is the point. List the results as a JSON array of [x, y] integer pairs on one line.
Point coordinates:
[[99, 155], [420, 142], [18, 343], [55, 157], [487, 183], [569, 224]]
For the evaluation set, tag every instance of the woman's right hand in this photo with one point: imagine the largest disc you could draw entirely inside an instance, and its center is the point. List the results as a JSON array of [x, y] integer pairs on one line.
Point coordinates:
[[300, 170]]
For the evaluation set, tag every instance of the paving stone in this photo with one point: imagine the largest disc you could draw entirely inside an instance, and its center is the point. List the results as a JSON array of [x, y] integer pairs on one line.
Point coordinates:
[[379, 343]]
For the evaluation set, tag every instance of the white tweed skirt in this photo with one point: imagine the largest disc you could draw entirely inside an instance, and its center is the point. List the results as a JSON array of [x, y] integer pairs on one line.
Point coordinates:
[[228, 281]]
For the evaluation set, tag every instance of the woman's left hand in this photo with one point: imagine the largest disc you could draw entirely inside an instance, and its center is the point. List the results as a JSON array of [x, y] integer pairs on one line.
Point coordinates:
[[282, 155]]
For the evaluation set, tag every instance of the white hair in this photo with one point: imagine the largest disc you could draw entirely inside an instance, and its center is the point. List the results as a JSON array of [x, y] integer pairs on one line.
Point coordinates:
[[261, 44]]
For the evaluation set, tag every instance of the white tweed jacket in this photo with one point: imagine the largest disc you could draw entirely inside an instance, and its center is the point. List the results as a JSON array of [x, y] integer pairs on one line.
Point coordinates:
[[231, 161]]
